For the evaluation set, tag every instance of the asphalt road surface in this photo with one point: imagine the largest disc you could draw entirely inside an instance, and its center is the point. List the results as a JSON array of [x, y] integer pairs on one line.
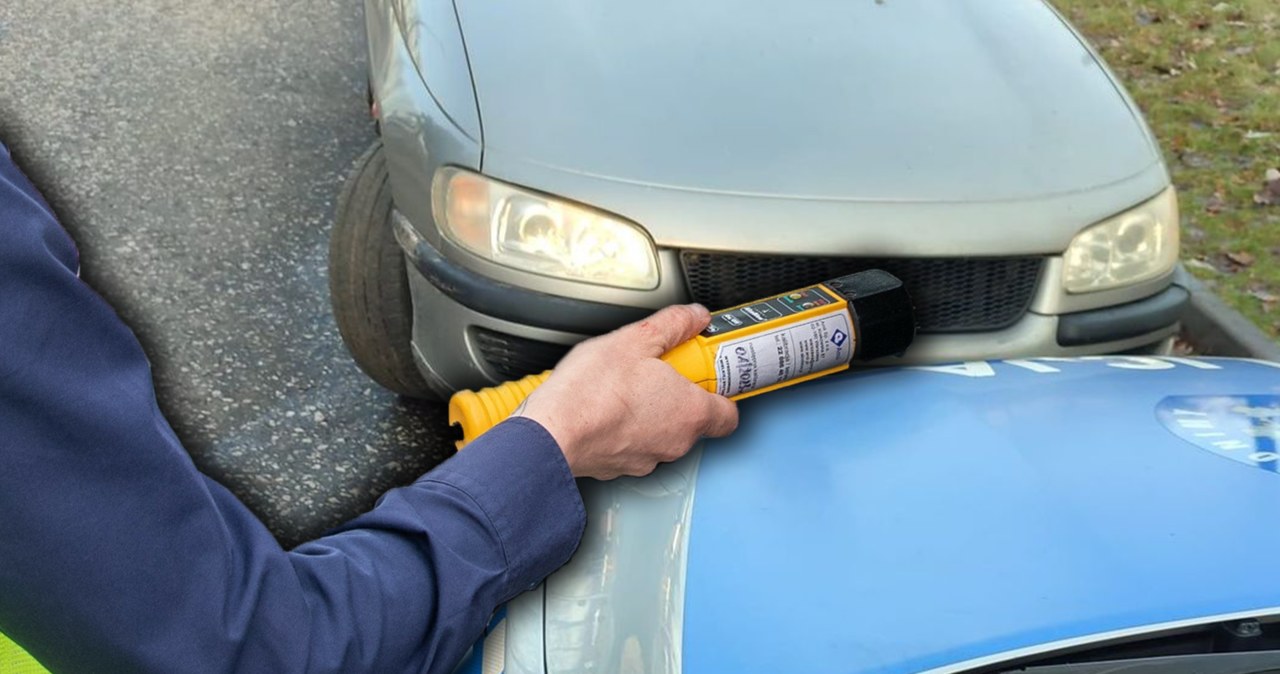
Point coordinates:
[[194, 152]]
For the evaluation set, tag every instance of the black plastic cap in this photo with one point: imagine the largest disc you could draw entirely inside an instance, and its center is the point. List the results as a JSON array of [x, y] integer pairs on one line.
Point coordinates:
[[883, 316]]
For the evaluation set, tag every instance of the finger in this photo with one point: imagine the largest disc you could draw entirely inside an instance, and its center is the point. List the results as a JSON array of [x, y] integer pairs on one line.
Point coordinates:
[[667, 328], [721, 416]]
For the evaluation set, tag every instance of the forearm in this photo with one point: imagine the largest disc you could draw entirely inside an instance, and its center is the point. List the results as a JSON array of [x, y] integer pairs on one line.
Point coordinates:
[[487, 525], [197, 584], [116, 554]]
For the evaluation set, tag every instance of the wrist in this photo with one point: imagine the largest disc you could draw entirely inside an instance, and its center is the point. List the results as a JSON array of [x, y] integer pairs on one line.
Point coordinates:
[[559, 430]]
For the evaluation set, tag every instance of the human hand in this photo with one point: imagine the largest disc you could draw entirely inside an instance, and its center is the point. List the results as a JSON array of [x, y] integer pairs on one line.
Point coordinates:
[[616, 409]]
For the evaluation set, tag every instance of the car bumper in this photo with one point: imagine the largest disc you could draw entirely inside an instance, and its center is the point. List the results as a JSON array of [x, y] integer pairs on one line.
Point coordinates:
[[472, 330]]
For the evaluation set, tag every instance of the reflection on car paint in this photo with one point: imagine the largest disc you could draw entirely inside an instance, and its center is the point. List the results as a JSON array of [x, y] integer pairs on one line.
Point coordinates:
[[618, 605], [1243, 428]]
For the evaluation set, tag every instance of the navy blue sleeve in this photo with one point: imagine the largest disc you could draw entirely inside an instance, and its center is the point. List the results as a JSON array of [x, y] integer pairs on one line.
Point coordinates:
[[117, 554]]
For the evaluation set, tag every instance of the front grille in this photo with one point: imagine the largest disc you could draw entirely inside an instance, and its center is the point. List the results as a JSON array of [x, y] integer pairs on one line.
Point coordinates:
[[514, 357], [950, 294]]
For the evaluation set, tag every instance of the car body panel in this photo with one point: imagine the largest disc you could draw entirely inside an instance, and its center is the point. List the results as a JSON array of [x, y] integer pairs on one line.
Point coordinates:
[[749, 119], [680, 218], [430, 31], [901, 521], [418, 135], [636, 544], [939, 517]]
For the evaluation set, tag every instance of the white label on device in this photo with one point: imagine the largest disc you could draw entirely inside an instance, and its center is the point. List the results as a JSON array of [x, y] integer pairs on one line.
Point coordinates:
[[813, 345]]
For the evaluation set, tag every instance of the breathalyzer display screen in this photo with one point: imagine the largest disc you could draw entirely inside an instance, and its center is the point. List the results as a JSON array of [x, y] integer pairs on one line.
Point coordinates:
[[748, 315]]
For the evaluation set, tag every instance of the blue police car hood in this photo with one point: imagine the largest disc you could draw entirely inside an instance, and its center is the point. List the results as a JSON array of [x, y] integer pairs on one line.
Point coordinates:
[[936, 519]]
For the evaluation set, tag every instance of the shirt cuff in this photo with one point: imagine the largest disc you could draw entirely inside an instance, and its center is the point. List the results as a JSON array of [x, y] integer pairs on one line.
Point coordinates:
[[519, 478]]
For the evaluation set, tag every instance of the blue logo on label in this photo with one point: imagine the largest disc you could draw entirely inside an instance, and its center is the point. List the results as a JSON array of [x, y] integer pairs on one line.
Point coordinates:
[[1244, 428], [838, 337]]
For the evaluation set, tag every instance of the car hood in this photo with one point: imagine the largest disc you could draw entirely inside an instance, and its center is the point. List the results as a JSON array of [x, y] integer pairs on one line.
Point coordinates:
[[851, 102], [935, 518]]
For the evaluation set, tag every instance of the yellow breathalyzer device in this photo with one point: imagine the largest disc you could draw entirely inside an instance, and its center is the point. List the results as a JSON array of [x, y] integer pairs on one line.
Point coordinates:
[[756, 347]]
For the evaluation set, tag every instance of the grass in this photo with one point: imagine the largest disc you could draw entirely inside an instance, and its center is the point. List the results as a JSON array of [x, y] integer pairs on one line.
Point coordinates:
[[1207, 76]]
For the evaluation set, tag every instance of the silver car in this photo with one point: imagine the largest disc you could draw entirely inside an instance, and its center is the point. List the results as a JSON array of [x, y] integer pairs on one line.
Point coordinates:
[[548, 171]]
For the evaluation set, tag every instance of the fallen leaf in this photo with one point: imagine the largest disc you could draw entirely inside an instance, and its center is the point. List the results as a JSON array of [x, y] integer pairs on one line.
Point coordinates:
[[1231, 262], [1242, 258], [1216, 204], [1268, 299], [1196, 263], [1270, 194], [1223, 264], [1194, 159]]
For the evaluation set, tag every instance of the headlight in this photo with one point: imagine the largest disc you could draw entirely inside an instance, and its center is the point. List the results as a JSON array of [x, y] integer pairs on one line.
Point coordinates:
[[538, 233], [1136, 245]]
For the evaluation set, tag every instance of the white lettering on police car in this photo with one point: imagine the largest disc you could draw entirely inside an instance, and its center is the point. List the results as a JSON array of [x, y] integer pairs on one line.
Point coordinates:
[[978, 369], [973, 368], [1033, 366], [1192, 362]]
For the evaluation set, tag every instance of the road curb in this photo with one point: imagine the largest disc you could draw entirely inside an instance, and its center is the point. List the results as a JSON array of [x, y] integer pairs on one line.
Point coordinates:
[[1215, 329]]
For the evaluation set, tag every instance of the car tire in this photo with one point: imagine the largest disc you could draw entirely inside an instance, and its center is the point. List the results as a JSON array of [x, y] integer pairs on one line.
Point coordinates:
[[368, 282]]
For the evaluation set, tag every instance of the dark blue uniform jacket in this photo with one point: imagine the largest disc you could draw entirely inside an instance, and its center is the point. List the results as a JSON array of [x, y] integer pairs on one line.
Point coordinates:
[[117, 554]]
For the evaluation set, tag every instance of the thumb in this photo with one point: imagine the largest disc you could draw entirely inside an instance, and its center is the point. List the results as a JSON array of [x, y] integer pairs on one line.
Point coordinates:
[[721, 415], [667, 328]]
